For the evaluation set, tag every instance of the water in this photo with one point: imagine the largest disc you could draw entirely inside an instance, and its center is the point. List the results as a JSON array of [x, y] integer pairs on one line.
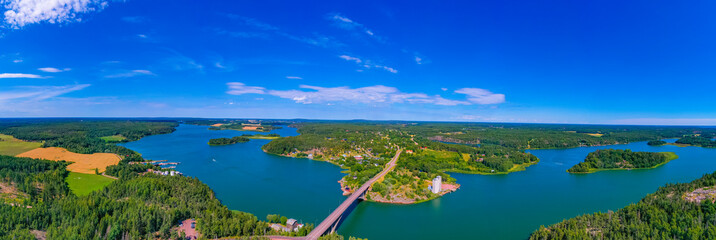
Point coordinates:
[[486, 207]]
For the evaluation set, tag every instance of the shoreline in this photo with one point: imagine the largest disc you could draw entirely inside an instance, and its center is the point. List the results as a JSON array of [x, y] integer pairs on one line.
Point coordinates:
[[670, 156]]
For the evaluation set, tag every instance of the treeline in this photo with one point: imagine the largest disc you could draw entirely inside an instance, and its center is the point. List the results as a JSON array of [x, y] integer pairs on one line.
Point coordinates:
[[542, 136], [84, 136], [656, 143], [697, 141], [661, 215], [617, 158], [141, 207], [227, 141], [42, 180]]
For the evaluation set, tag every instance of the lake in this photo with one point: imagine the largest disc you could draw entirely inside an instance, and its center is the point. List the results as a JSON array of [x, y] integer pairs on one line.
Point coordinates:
[[486, 206]]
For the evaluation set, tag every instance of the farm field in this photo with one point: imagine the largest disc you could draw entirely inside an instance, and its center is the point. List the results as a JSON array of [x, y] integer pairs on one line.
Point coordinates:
[[12, 146], [82, 184], [82, 163]]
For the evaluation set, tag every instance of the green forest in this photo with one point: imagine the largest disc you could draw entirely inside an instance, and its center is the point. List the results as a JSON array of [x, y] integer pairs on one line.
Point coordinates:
[[227, 141], [664, 214], [699, 141], [134, 207], [605, 159], [656, 143]]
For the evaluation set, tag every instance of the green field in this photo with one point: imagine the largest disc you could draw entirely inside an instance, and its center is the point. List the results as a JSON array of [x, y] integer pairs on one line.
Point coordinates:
[[82, 184], [11, 146], [114, 138]]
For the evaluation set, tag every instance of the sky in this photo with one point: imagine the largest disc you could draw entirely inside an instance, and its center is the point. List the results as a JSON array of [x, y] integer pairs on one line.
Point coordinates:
[[599, 62]]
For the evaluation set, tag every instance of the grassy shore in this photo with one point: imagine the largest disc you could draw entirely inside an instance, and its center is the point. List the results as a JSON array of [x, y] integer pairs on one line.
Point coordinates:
[[669, 156], [262, 137]]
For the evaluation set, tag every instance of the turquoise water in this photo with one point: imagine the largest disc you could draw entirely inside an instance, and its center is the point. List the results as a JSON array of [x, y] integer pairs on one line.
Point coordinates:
[[486, 207]]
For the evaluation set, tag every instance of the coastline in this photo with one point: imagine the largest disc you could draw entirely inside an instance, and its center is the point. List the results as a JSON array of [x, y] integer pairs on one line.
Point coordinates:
[[670, 156]]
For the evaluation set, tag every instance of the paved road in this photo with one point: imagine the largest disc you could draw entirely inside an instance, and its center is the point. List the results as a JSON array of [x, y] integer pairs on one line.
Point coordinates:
[[331, 219]]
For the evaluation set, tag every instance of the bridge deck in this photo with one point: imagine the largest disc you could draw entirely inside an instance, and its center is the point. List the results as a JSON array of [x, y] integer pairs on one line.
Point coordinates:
[[336, 214]]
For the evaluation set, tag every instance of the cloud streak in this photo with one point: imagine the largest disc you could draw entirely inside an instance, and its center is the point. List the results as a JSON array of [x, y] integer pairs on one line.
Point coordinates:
[[19, 75], [36, 93], [54, 70], [348, 24], [308, 94], [367, 64], [133, 73]]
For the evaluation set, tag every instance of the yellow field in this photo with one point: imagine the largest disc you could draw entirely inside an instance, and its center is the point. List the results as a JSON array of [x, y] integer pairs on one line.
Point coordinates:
[[12, 146], [82, 163], [595, 134]]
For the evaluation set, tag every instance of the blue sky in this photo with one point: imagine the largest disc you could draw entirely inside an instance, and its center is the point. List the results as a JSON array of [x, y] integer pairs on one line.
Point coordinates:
[[611, 62]]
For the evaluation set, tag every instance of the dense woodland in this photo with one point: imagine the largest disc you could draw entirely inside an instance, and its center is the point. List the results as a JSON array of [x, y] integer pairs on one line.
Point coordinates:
[[619, 159], [700, 141], [227, 141], [661, 215], [656, 143], [134, 207]]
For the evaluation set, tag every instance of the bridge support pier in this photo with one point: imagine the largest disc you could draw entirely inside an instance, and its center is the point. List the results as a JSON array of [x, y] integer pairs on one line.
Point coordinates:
[[335, 225]]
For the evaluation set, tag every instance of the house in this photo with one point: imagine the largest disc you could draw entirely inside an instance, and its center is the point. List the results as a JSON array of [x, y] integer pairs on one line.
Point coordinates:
[[409, 151], [479, 160], [359, 157], [291, 224]]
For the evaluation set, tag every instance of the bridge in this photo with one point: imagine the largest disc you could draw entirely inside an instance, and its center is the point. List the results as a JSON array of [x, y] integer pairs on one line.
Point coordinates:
[[331, 222]]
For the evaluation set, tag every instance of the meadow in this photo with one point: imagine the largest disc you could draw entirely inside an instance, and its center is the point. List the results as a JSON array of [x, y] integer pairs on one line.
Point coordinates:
[[81, 184], [12, 146]]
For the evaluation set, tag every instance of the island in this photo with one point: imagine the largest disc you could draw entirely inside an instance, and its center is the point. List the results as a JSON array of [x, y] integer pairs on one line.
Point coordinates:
[[617, 159], [656, 143], [270, 136], [674, 211], [228, 141]]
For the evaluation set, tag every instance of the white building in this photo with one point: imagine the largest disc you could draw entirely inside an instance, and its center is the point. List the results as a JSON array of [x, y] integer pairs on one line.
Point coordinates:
[[437, 184]]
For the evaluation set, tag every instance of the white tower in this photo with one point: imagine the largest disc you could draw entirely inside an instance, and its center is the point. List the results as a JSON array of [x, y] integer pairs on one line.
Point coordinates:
[[437, 184]]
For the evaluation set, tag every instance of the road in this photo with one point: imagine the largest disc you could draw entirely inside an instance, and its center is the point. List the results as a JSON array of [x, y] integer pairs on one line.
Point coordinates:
[[336, 214]]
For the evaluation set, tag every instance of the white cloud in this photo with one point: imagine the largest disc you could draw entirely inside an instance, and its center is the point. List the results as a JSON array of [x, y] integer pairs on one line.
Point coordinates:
[[17, 60], [37, 93], [444, 89], [219, 65], [308, 94], [293, 77], [53, 70], [349, 58], [237, 88], [23, 12], [142, 36], [481, 96], [133, 73], [418, 60], [19, 75], [371, 94]]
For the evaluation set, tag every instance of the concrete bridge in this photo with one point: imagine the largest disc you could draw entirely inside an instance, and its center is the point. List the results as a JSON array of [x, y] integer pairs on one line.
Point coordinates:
[[331, 223]]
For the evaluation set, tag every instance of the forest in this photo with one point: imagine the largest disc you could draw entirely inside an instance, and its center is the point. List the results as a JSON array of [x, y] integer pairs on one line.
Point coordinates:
[[665, 214], [137, 206], [656, 143], [700, 141], [620, 159], [227, 141]]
